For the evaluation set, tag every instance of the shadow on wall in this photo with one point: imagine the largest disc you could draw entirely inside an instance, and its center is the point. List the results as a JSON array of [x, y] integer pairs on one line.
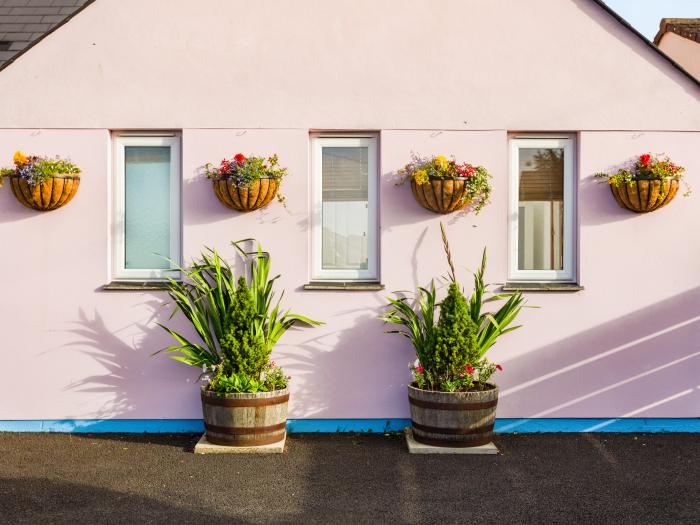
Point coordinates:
[[202, 207], [598, 206], [623, 368], [13, 211], [406, 210], [131, 372], [336, 363]]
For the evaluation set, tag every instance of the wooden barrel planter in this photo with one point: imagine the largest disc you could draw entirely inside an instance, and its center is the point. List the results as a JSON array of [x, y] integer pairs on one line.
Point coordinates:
[[245, 420], [441, 195], [645, 194], [46, 195], [246, 198], [453, 419]]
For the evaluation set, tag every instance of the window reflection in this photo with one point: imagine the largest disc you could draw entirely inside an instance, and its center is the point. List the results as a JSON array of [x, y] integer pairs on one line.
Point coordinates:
[[541, 209]]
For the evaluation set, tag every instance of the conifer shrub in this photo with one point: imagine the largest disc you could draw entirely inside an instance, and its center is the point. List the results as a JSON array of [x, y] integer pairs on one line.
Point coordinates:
[[242, 344]]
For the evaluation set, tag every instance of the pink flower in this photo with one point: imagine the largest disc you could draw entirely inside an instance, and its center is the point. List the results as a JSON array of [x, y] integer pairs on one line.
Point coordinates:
[[420, 369], [499, 367], [469, 369]]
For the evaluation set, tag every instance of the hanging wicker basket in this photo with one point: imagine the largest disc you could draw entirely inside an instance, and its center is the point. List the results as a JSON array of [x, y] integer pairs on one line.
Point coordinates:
[[441, 195], [46, 195], [645, 194], [246, 198]]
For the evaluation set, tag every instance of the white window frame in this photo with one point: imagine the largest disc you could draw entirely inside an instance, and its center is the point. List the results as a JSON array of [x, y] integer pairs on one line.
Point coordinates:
[[118, 229], [318, 273], [568, 272]]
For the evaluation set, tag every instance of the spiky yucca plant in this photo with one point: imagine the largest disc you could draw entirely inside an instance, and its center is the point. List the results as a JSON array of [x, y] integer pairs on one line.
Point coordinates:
[[237, 324]]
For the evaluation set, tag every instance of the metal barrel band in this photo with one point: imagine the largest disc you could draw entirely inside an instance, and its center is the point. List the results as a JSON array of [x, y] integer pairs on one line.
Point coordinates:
[[452, 406], [454, 443], [237, 442], [244, 403], [453, 431], [245, 430]]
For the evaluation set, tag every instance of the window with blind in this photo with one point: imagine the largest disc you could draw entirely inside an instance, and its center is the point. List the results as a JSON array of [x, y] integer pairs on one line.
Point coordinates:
[[542, 209], [345, 208], [146, 222]]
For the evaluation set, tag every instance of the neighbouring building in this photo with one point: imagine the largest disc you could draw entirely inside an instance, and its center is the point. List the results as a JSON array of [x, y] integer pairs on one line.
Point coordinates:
[[679, 38], [185, 83]]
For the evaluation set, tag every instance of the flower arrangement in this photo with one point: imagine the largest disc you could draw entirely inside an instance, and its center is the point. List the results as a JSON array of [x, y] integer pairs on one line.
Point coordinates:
[[451, 352], [646, 167], [35, 169], [476, 178], [244, 171]]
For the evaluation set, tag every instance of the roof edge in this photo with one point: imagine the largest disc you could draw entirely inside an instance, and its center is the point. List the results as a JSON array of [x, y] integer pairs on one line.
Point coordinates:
[[56, 27], [600, 3]]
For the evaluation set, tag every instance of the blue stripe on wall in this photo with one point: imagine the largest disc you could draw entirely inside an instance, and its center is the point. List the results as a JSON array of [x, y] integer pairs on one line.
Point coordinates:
[[356, 425]]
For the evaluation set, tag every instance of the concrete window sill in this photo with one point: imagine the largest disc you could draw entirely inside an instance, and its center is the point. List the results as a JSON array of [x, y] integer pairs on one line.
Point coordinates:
[[356, 286], [134, 286], [541, 287]]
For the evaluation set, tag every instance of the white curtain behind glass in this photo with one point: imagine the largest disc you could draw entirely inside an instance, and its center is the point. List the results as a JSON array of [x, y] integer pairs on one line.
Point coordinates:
[[345, 212]]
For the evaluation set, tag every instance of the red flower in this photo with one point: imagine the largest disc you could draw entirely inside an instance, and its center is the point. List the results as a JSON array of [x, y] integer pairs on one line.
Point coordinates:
[[499, 367], [240, 158], [644, 159], [469, 369], [420, 369]]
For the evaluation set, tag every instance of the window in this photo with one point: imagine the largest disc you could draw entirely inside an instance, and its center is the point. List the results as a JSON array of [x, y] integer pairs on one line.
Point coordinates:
[[344, 208], [542, 209], [147, 206]]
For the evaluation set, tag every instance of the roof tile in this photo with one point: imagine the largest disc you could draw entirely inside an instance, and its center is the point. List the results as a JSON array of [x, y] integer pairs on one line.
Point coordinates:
[[22, 22], [686, 27]]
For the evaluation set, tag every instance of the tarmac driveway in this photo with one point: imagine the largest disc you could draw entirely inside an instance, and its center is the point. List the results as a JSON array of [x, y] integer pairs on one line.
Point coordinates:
[[343, 478]]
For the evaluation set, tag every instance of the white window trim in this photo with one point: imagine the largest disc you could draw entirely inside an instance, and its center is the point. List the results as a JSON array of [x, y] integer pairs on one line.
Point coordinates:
[[568, 273], [317, 271], [118, 244]]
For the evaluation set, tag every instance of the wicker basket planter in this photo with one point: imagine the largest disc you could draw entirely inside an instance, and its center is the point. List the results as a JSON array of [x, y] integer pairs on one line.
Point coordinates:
[[453, 419], [645, 194], [246, 419], [246, 198], [441, 195], [46, 195]]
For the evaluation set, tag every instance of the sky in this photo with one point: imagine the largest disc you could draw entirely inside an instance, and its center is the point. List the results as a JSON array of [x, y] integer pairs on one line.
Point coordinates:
[[645, 15]]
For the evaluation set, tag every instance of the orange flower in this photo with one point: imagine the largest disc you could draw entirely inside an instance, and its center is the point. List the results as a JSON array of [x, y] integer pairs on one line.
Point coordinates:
[[20, 159]]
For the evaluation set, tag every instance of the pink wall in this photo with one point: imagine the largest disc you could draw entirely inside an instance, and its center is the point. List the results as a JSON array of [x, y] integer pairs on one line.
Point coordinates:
[[682, 50], [360, 64], [625, 343], [626, 346]]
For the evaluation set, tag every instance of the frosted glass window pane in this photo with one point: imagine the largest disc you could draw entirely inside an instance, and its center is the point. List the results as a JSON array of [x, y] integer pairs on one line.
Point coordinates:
[[146, 207], [345, 220], [541, 209]]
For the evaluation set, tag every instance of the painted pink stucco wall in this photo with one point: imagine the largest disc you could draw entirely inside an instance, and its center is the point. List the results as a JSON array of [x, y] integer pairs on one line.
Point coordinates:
[[684, 51], [625, 346]]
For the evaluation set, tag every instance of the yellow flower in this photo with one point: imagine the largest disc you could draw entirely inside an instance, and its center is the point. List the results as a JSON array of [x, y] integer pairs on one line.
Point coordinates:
[[441, 162], [20, 158], [421, 177]]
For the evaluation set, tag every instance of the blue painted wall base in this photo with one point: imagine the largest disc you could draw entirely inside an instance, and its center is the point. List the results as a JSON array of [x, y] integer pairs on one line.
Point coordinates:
[[357, 425]]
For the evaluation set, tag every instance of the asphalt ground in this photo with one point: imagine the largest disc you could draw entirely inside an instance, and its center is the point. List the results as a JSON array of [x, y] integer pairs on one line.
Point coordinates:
[[349, 478]]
